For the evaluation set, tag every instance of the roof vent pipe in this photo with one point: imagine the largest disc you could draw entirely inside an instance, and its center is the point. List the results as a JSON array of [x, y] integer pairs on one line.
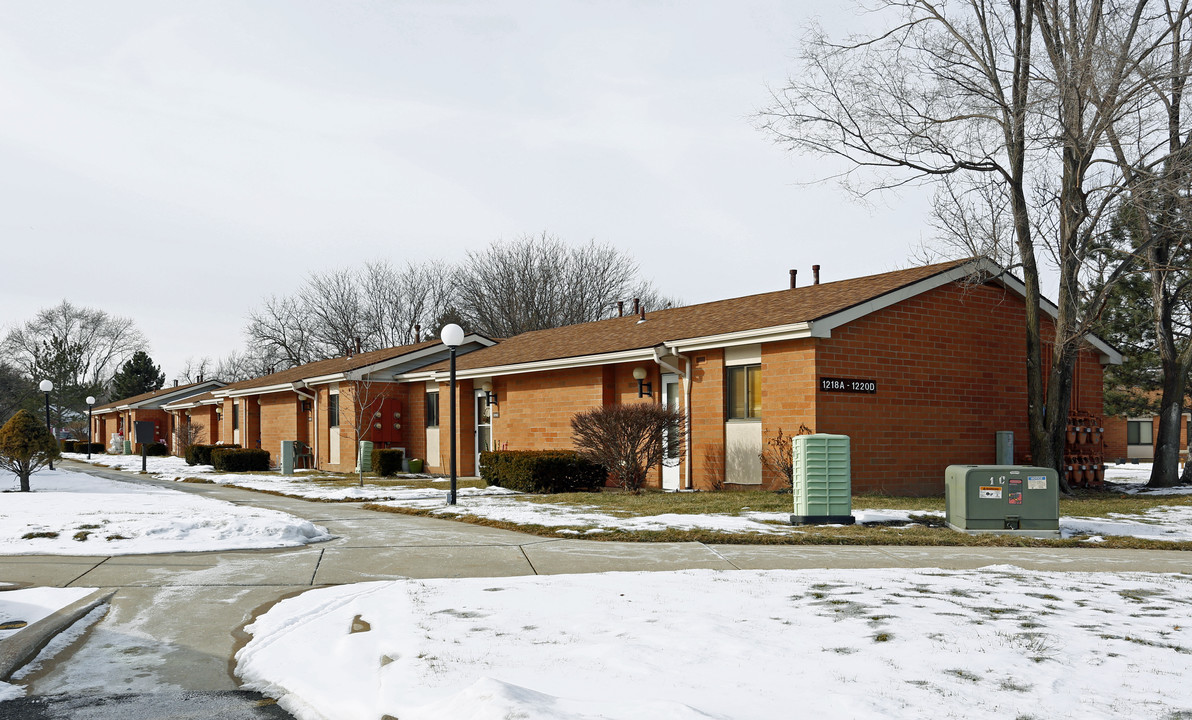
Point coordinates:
[[637, 305], [793, 273], [175, 382], [357, 345], [642, 310], [620, 308], [200, 377], [417, 333], [815, 273]]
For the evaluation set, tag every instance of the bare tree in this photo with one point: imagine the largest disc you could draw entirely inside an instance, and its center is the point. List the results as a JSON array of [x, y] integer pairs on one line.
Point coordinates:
[[188, 433], [194, 370], [534, 283], [284, 327], [103, 341], [960, 91], [397, 300], [367, 396]]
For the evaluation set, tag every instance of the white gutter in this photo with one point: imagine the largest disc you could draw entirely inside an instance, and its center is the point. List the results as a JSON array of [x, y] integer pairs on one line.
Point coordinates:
[[637, 354], [686, 375], [295, 386]]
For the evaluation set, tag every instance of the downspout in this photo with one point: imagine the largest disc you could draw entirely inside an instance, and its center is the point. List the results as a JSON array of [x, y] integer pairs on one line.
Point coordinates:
[[686, 376]]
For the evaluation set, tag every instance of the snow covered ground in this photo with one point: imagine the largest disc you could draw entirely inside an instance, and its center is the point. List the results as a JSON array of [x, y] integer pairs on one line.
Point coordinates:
[[27, 606], [1132, 479], [998, 642], [1172, 523], [72, 513]]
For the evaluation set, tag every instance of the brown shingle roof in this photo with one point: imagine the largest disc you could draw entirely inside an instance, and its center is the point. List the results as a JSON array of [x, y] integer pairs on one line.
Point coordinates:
[[147, 396], [752, 312], [330, 366], [192, 400]]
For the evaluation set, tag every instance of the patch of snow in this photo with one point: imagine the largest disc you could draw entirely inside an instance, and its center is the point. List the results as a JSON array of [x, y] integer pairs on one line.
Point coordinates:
[[96, 516], [30, 605], [991, 643]]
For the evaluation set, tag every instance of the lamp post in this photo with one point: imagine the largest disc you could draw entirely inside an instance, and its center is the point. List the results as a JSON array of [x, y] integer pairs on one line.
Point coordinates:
[[90, 402], [46, 386], [452, 336]]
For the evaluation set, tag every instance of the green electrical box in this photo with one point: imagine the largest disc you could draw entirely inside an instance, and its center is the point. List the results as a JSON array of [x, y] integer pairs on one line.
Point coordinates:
[[821, 480], [1003, 499]]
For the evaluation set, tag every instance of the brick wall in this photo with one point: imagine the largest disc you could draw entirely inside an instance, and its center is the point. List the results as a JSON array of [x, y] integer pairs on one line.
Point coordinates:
[[535, 409], [788, 396], [707, 419], [465, 428], [950, 371], [282, 418]]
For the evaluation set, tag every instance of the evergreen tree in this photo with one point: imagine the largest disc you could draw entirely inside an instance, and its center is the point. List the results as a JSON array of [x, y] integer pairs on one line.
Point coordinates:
[[26, 447], [139, 375]]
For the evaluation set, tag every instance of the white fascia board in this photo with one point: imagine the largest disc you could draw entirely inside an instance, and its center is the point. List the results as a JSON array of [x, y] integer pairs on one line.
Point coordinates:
[[793, 331], [639, 354], [324, 379], [358, 373], [263, 390]]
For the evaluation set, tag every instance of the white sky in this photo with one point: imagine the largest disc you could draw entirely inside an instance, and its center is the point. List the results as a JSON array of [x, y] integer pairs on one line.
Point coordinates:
[[178, 162]]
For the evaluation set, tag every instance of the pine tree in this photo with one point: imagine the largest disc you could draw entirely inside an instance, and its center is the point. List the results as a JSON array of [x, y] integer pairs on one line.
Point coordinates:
[[26, 446], [138, 376]]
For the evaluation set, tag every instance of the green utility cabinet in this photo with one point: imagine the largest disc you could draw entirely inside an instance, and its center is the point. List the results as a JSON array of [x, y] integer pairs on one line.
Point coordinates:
[[364, 458], [1003, 499], [822, 480]]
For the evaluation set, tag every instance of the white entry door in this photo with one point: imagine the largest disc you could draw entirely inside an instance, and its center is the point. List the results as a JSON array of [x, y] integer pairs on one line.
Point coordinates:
[[484, 427], [671, 443]]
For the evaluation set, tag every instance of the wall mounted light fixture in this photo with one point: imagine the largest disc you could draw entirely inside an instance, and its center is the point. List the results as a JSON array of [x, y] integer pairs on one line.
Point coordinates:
[[490, 398], [643, 388]]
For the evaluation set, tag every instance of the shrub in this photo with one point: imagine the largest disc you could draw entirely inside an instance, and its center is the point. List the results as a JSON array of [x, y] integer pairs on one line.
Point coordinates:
[[541, 471], [628, 439], [69, 445], [26, 446], [157, 450], [83, 447], [236, 459], [387, 462], [201, 454]]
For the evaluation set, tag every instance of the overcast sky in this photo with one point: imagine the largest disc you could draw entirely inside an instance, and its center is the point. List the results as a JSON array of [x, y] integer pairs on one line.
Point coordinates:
[[178, 162]]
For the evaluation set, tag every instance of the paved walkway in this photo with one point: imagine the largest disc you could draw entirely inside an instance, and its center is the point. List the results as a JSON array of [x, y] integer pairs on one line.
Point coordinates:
[[176, 619]]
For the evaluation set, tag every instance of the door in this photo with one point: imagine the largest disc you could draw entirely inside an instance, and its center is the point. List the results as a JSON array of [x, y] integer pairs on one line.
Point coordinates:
[[671, 442], [333, 425], [484, 427]]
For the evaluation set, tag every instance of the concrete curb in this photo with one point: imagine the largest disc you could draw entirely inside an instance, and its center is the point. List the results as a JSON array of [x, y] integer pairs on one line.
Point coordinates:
[[22, 647]]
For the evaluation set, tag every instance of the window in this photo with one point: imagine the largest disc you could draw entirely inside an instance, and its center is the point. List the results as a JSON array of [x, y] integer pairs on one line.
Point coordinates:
[[1139, 432], [333, 410], [235, 416], [432, 409], [744, 392]]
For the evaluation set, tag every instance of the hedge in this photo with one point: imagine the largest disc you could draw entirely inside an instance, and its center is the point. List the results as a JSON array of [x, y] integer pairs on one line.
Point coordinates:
[[69, 445], [201, 454], [541, 471], [157, 450], [388, 461], [229, 459], [81, 447]]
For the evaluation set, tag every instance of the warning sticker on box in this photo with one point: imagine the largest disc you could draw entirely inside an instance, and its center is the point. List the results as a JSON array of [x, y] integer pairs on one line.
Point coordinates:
[[1015, 498], [990, 493], [1036, 482]]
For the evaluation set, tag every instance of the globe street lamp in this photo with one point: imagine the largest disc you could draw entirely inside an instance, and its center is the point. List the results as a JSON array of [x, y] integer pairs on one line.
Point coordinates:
[[90, 402], [46, 386], [452, 336]]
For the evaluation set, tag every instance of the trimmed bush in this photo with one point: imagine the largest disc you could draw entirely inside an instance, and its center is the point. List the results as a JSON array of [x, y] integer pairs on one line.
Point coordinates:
[[157, 450], [388, 461], [229, 459], [201, 454], [95, 448], [69, 445], [541, 471]]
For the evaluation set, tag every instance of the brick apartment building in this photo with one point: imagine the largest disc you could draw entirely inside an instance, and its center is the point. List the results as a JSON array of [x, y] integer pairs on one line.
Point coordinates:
[[920, 367], [113, 422]]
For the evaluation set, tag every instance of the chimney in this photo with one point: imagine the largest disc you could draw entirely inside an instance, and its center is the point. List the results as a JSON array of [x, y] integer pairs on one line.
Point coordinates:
[[793, 273], [417, 333], [642, 310], [620, 308], [357, 345], [200, 377], [815, 274], [175, 382], [637, 305]]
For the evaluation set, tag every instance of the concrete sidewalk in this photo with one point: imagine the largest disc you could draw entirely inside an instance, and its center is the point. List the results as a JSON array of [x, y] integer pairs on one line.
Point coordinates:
[[176, 619]]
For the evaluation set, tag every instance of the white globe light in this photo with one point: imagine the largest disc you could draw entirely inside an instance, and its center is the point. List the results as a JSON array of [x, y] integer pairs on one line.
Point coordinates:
[[46, 386], [90, 400], [452, 335]]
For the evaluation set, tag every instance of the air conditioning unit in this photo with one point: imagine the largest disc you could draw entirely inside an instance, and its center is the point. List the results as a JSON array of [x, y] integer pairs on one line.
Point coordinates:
[[822, 482]]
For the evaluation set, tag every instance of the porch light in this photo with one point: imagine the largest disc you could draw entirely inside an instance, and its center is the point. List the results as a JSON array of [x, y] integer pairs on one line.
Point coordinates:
[[489, 398], [643, 388], [90, 402], [452, 336]]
